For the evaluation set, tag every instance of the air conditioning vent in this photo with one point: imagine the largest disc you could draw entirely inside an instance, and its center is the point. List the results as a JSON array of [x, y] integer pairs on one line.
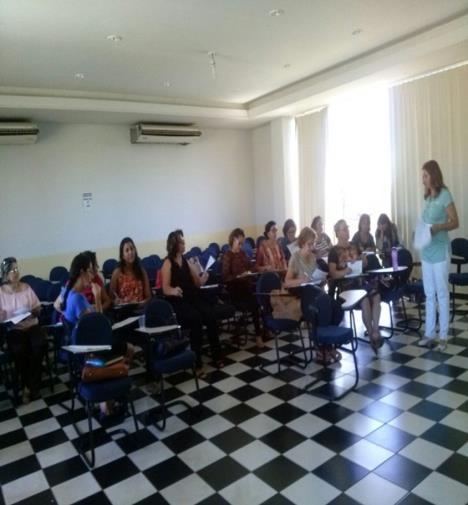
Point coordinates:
[[146, 133], [18, 133]]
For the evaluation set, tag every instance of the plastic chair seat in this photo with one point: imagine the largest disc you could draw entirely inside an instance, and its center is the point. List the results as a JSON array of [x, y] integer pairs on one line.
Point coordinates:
[[97, 392], [459, 279], [279, 325], [180, 361], [336, 335]]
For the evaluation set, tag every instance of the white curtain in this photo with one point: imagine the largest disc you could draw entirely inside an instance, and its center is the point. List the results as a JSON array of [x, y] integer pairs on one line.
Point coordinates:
[[312, 141], [429, 120]]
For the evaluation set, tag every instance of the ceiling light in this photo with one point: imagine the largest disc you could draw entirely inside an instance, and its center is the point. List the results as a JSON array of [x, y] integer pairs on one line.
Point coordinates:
[[79, 75], [167, 84], [114, 38], [357, 31], [276, 12]]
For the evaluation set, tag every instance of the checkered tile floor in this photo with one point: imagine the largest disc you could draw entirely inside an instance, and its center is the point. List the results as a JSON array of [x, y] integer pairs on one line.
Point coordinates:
[[401, 437]]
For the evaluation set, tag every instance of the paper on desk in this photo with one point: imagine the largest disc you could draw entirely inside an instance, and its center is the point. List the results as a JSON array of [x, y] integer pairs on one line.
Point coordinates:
[[18, 318], [318, 275], [422, 235], [125, 322], [86, 348], [356, 267]]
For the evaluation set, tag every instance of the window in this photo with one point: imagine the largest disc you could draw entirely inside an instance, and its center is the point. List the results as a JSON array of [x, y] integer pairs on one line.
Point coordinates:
[[357, 176]]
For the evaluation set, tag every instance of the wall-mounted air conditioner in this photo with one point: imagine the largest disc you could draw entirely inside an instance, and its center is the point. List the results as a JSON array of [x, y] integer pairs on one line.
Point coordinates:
[[146, 133], [12, 132]]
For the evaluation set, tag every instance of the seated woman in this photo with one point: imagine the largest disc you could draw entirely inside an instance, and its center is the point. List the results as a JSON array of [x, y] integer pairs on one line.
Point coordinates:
[[25, 339], [105, 301], [236, 265], [270, 257], [363, 238], [386, 237], [180, 284], [289, 236], [322, 244], [303, 268], [75, 304], [338, 259]]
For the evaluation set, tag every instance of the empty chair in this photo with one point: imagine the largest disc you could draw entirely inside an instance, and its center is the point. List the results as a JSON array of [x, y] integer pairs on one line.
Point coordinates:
[[169, 351], [215, 249], [250, 241], [59, 274], [459, 252]]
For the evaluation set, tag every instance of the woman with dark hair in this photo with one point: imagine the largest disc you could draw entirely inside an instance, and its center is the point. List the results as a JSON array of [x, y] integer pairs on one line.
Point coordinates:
[[88, 292], [75, 305], [289, 236], [440, 212], [323, 243], [26, 339], [386, 237], [236, 266], [270, 257], [180, 284], [363, 237], [129, 282], [338, 258]]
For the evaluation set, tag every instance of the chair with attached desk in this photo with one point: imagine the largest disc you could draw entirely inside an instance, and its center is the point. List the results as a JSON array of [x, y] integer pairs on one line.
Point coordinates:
[[94, 329], [169, 352], [267, 282], [459, 258], [318, 311], [59, 274]]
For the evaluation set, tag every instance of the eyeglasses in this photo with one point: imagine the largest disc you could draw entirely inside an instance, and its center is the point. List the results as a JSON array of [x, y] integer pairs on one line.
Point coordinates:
[[14, 270]]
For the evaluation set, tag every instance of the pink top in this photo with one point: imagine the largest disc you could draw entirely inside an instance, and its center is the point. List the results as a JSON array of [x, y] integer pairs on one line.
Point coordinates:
[[20, 301]]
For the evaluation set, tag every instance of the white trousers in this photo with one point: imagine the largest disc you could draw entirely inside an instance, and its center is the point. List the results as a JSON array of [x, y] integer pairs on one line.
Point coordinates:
[[436, 289]]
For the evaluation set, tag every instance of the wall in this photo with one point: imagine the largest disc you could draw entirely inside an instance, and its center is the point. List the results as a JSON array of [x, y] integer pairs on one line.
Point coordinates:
[[143, 191]]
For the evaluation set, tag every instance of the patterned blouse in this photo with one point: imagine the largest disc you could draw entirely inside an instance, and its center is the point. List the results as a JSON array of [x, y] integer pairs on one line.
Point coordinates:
[[129, 288], [270, 256]]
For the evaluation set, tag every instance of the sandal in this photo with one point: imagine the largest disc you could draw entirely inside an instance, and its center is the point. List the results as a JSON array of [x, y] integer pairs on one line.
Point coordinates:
[[200, 373]]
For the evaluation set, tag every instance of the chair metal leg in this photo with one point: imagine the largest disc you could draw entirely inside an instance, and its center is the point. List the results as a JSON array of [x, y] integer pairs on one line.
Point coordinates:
[[132, 409], [453, 303]]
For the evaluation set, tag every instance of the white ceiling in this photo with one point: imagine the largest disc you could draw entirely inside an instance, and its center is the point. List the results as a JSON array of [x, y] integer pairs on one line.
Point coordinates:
[[265, 65]]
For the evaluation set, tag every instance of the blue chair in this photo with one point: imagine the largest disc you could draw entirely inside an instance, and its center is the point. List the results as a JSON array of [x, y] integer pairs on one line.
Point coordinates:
[[266, 283], [225, 248], [59, 274], [149, 265], [169, 354], [318, 311], [250, 241], [459, 279], [108, 267], [247, 248], [215, 249], [157, 261], [95, 329]]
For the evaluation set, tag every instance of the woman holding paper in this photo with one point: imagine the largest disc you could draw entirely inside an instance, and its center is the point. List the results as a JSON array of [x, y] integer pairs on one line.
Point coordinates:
[[440, 212], [288, 238], [26, 339], [302, 265], [339, 260], [180, 283]]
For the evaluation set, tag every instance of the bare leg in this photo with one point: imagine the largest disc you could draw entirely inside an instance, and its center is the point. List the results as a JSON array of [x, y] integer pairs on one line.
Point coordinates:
[[367, 316]]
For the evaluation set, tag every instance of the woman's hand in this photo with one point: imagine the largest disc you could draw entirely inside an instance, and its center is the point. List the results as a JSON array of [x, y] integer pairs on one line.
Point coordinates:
[[177, 291], [96, 289], [203, 278]]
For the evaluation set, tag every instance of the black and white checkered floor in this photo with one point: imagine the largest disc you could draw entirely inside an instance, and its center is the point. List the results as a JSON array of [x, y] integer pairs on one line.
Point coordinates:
[[401, 437]]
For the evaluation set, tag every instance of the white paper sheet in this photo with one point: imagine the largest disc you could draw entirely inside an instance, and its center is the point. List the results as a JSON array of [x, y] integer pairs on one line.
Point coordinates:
[[18, 318], [422, 235], [356, 266]]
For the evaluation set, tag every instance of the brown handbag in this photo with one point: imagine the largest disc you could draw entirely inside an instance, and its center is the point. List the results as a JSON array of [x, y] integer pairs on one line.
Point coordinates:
[[96, 374]]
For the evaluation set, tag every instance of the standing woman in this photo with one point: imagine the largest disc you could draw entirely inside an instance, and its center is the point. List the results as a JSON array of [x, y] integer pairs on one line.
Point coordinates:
[[26, 339], [129, 282], [440, 212], [270, 257]]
